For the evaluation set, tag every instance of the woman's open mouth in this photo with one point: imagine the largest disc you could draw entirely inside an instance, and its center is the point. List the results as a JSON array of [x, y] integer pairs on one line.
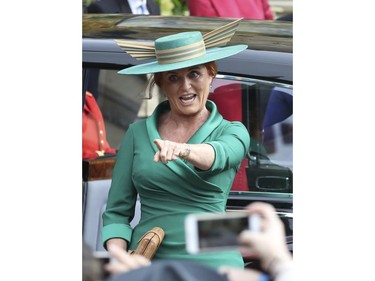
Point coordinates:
[[187, 99]]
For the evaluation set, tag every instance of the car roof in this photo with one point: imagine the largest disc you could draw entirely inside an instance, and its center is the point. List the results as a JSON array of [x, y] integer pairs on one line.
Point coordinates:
[[270, 43]]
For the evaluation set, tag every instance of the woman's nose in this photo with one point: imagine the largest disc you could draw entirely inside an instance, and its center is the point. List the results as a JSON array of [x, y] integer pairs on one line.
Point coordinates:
[[186, 84]]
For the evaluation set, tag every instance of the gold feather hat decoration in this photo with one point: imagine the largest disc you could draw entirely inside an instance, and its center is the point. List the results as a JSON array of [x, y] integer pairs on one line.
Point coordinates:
[[182, 50]]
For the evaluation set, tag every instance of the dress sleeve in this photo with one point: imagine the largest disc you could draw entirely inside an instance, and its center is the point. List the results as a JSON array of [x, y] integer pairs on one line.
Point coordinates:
[[122, 195], [230, 147]]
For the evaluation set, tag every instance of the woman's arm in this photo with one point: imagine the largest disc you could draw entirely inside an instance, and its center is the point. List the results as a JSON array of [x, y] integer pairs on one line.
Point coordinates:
[[223, 151], [118, 242], [201, 156], [122, 195]]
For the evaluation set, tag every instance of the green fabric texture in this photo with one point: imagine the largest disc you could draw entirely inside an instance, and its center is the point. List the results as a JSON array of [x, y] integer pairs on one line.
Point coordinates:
[[169, 192]]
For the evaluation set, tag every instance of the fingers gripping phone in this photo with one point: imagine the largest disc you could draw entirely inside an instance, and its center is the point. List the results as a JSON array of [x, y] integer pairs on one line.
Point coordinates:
[[214, 231]]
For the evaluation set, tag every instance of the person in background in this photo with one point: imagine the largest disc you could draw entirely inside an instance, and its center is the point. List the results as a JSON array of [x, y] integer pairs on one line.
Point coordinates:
[[94, 135], [268, 246], [145, 7], [248, 9], [183, 158]]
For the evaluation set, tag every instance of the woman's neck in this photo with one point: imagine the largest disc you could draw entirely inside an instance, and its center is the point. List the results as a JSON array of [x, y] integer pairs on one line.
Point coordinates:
[[181, 128]]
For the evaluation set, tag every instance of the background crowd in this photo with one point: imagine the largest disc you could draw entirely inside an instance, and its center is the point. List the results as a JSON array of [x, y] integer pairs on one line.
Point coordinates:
[[264, 9]]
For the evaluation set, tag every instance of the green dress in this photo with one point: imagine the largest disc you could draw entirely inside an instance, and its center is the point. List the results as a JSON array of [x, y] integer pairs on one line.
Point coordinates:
[[168, 192]]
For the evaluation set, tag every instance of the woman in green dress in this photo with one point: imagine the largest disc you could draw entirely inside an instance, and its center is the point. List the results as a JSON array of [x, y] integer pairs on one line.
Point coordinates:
[[183, 158]]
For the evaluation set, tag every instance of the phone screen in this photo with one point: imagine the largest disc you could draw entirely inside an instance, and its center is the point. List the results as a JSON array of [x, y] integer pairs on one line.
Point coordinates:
[[211, 232], [221, 232]]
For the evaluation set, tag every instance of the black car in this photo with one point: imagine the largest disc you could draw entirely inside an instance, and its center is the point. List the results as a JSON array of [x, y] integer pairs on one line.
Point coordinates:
[[254, 87]]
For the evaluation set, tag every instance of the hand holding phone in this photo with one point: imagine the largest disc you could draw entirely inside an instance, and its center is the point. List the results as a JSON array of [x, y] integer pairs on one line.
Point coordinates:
[[217, 231]]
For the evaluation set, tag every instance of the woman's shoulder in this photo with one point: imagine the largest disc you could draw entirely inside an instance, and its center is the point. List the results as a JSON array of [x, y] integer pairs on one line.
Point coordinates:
[[233, 124], [139, 123], [136, 127]]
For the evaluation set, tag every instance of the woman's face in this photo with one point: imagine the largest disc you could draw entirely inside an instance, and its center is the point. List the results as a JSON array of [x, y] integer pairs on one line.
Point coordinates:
[[187, 89]]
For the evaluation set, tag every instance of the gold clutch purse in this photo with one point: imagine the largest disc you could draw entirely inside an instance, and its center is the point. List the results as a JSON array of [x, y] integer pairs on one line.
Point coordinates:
[[149, 243]]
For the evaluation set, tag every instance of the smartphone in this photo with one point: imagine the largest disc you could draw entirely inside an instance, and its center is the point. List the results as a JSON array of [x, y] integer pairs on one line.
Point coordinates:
[[214, 231], [103, 258]]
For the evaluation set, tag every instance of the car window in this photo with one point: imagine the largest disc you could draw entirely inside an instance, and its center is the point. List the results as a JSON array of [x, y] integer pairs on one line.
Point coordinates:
[[122, 100], [264, 107]]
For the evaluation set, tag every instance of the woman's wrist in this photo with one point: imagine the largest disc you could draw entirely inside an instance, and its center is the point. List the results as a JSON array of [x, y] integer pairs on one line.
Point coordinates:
[[122, 243], [186, 152]]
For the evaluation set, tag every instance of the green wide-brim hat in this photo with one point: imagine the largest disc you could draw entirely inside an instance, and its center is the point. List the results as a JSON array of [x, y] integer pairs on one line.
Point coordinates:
[[182, 50]]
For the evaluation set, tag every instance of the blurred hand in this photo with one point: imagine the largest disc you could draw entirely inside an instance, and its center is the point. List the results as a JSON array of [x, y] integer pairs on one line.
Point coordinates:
[[269, 244], [122, 261], [239, 274]]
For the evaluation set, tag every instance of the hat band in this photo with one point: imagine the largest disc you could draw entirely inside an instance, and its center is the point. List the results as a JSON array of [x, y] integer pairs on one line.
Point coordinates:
[[183, 53]]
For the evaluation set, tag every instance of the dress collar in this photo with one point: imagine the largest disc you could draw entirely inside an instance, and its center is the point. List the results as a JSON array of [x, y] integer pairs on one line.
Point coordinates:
[[205, 130], [179, 166]]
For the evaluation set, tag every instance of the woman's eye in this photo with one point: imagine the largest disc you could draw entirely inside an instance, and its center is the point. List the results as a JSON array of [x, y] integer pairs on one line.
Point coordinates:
[[173, 78], [194, 74]]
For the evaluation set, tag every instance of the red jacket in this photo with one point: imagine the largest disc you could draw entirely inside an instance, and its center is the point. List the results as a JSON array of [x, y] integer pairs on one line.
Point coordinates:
[[248, 9], [94, 137]]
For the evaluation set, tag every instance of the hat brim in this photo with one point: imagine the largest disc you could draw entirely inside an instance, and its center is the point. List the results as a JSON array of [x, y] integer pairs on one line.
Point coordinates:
[[212, 54]]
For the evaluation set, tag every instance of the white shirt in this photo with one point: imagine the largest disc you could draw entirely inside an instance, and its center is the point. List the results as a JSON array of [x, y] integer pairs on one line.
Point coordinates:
[[138, 7]]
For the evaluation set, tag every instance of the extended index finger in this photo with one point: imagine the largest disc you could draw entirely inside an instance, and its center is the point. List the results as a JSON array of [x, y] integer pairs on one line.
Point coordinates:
[[158, 143]]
